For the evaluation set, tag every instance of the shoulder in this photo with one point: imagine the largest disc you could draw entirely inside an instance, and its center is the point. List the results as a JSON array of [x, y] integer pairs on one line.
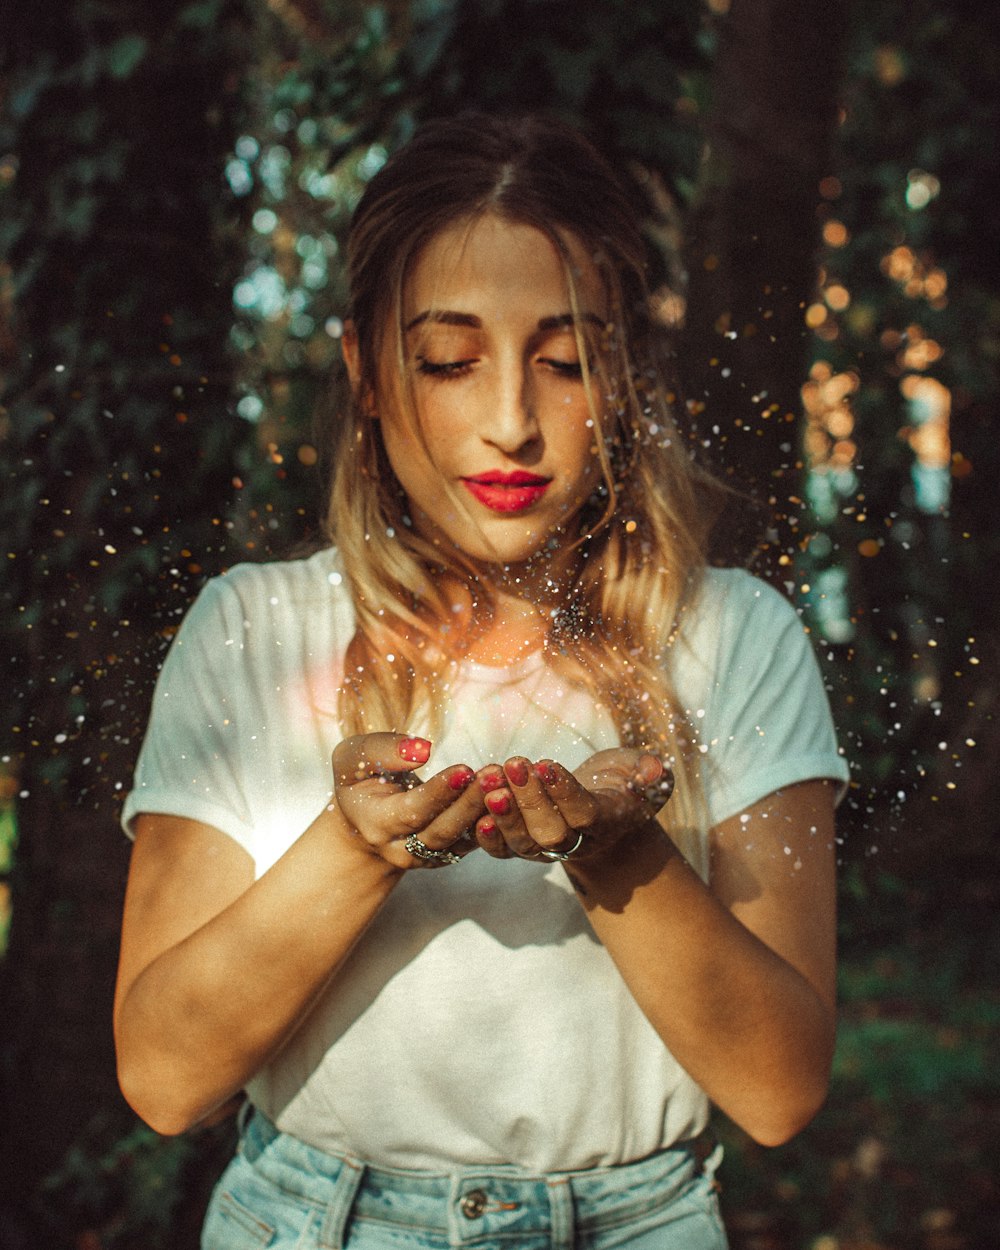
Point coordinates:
[[731, 610], [731, 596], [281, 598], [755, 689], [741, 640], [277, 587], [314, 576]]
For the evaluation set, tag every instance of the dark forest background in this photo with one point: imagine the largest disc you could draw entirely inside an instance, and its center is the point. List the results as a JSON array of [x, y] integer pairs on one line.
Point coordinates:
[[822, 182]]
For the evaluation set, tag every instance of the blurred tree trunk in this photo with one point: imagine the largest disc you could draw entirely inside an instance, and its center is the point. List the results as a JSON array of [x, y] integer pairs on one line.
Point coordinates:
[[751, 251], [117, 457]]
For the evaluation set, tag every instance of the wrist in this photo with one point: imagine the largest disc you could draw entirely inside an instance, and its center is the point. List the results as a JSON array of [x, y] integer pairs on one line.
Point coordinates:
[[608, 875], [359, 854]]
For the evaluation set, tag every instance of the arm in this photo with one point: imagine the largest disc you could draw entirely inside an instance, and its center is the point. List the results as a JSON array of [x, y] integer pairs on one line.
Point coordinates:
[[218, 970], [737, 980]]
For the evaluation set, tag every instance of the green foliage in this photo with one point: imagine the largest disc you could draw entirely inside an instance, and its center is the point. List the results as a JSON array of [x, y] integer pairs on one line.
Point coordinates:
[[333, 100], [117, 442], [907, 1142], [905, 516], [155, 168], [8, 844], [114, 429], [133, 1188]]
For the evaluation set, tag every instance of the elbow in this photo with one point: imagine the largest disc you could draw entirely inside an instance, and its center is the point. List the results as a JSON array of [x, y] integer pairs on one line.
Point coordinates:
[[778, 1130], [795, 1088], [787, 1113], [153, 1102]]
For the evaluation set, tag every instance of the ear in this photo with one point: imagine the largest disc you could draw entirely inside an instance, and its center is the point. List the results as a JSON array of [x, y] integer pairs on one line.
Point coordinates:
[[352, 360], [349, 347]]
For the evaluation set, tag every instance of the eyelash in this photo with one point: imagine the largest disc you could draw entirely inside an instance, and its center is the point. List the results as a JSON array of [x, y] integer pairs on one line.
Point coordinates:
[[443, 370], [446, 369]]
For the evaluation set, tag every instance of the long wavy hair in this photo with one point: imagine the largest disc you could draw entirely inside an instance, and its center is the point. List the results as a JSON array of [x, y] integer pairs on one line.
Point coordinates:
[[642, 536]]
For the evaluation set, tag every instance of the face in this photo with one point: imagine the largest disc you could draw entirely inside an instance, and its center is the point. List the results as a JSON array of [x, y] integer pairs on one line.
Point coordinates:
[[506, 452]]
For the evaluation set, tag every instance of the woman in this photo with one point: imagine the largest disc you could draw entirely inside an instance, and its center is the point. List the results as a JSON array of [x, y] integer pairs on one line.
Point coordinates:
[[519, 1046]]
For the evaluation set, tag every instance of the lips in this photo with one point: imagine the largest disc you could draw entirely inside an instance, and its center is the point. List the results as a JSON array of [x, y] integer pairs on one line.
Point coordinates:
[[507, 492]]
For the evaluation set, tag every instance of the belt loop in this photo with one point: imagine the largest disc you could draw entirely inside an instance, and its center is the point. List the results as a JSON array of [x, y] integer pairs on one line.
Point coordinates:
[[561, 1213], [338, 1210], [243, 1114]]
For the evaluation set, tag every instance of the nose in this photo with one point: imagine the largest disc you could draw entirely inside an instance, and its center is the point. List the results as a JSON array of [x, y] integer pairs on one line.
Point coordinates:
[[512, 422]]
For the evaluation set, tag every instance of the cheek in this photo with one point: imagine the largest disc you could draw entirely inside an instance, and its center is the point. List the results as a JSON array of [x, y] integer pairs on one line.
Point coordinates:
[[579, 432], [441, 416], [418, 453]]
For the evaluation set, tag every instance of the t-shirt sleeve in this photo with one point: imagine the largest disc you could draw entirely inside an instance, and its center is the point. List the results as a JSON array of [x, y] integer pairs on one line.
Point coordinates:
[[188, 765], [766, 722]]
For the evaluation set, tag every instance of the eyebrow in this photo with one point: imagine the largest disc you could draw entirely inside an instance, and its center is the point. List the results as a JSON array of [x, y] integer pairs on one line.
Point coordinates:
[[443, 316]]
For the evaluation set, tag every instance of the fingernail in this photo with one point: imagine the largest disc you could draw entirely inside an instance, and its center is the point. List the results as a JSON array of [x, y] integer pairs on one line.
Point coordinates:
[[499, 804], [487, 829], [491, 781], [460, 780], [517, 772], [414, 750], [546, 773], [652, 768]]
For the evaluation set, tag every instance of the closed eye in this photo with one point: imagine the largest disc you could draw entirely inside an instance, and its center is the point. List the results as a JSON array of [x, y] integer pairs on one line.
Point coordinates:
[[565, 368], [444, 368]]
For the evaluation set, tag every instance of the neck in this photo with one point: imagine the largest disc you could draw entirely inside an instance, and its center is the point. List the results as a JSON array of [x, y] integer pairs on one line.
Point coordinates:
[[516, 620]]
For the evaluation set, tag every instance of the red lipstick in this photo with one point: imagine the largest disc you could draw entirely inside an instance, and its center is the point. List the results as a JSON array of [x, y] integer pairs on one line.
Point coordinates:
[[507, 492]]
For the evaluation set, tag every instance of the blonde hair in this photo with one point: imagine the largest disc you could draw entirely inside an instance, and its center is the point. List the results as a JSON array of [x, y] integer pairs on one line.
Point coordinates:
[[643, 534]]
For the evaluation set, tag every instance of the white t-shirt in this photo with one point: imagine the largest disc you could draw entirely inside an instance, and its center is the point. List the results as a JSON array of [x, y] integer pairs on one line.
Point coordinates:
[[478, 1020]]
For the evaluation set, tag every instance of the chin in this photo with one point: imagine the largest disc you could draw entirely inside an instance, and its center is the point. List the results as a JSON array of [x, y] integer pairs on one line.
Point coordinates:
[[512, 554]]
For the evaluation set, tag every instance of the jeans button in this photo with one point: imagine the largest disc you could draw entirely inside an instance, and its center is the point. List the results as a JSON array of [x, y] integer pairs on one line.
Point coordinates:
[[473, 1204]]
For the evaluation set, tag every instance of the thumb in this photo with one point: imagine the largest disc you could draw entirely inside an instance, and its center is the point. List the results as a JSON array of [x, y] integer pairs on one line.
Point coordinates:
[[652, 781], [649, 768], [375, 755]]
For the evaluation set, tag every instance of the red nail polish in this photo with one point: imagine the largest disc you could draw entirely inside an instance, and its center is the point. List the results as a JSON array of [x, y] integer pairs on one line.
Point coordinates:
[[499, 804], [414, 750], [487, 829], [546, 773], [460, 780], [517, 772], [491, 781]]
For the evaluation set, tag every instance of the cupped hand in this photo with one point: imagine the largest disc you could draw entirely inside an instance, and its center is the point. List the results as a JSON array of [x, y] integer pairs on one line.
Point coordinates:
[[544, 811], [377, 788]]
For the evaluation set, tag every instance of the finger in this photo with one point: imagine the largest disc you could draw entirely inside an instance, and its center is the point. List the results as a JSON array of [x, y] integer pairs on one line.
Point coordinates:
[[440, 810], [509, 823], [435, 823], [413, 852], [613, 761], [489, 837], [539, 815], [652, 782], [371, 756], [576, 804], [502, 807]]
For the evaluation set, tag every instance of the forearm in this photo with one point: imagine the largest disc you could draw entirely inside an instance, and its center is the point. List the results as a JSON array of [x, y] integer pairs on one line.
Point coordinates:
[[209, 1011], [749, 1028]]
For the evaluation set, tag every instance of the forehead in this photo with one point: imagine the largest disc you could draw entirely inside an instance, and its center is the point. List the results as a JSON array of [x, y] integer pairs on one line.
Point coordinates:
[[493, 268]]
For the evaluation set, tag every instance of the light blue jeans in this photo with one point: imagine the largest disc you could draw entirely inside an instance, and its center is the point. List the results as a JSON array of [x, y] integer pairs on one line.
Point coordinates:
[[281, 1193]]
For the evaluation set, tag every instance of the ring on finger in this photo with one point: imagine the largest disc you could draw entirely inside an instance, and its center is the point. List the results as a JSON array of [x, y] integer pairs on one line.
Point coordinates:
[[564, 855], [536, 853], [421, 851]]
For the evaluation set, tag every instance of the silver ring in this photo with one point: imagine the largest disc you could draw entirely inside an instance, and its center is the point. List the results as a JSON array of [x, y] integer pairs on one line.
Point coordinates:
[[426, 853], [564, 855]]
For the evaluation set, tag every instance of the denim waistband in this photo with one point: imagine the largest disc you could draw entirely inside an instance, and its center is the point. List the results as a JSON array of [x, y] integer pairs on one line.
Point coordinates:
[[465, 1204]]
